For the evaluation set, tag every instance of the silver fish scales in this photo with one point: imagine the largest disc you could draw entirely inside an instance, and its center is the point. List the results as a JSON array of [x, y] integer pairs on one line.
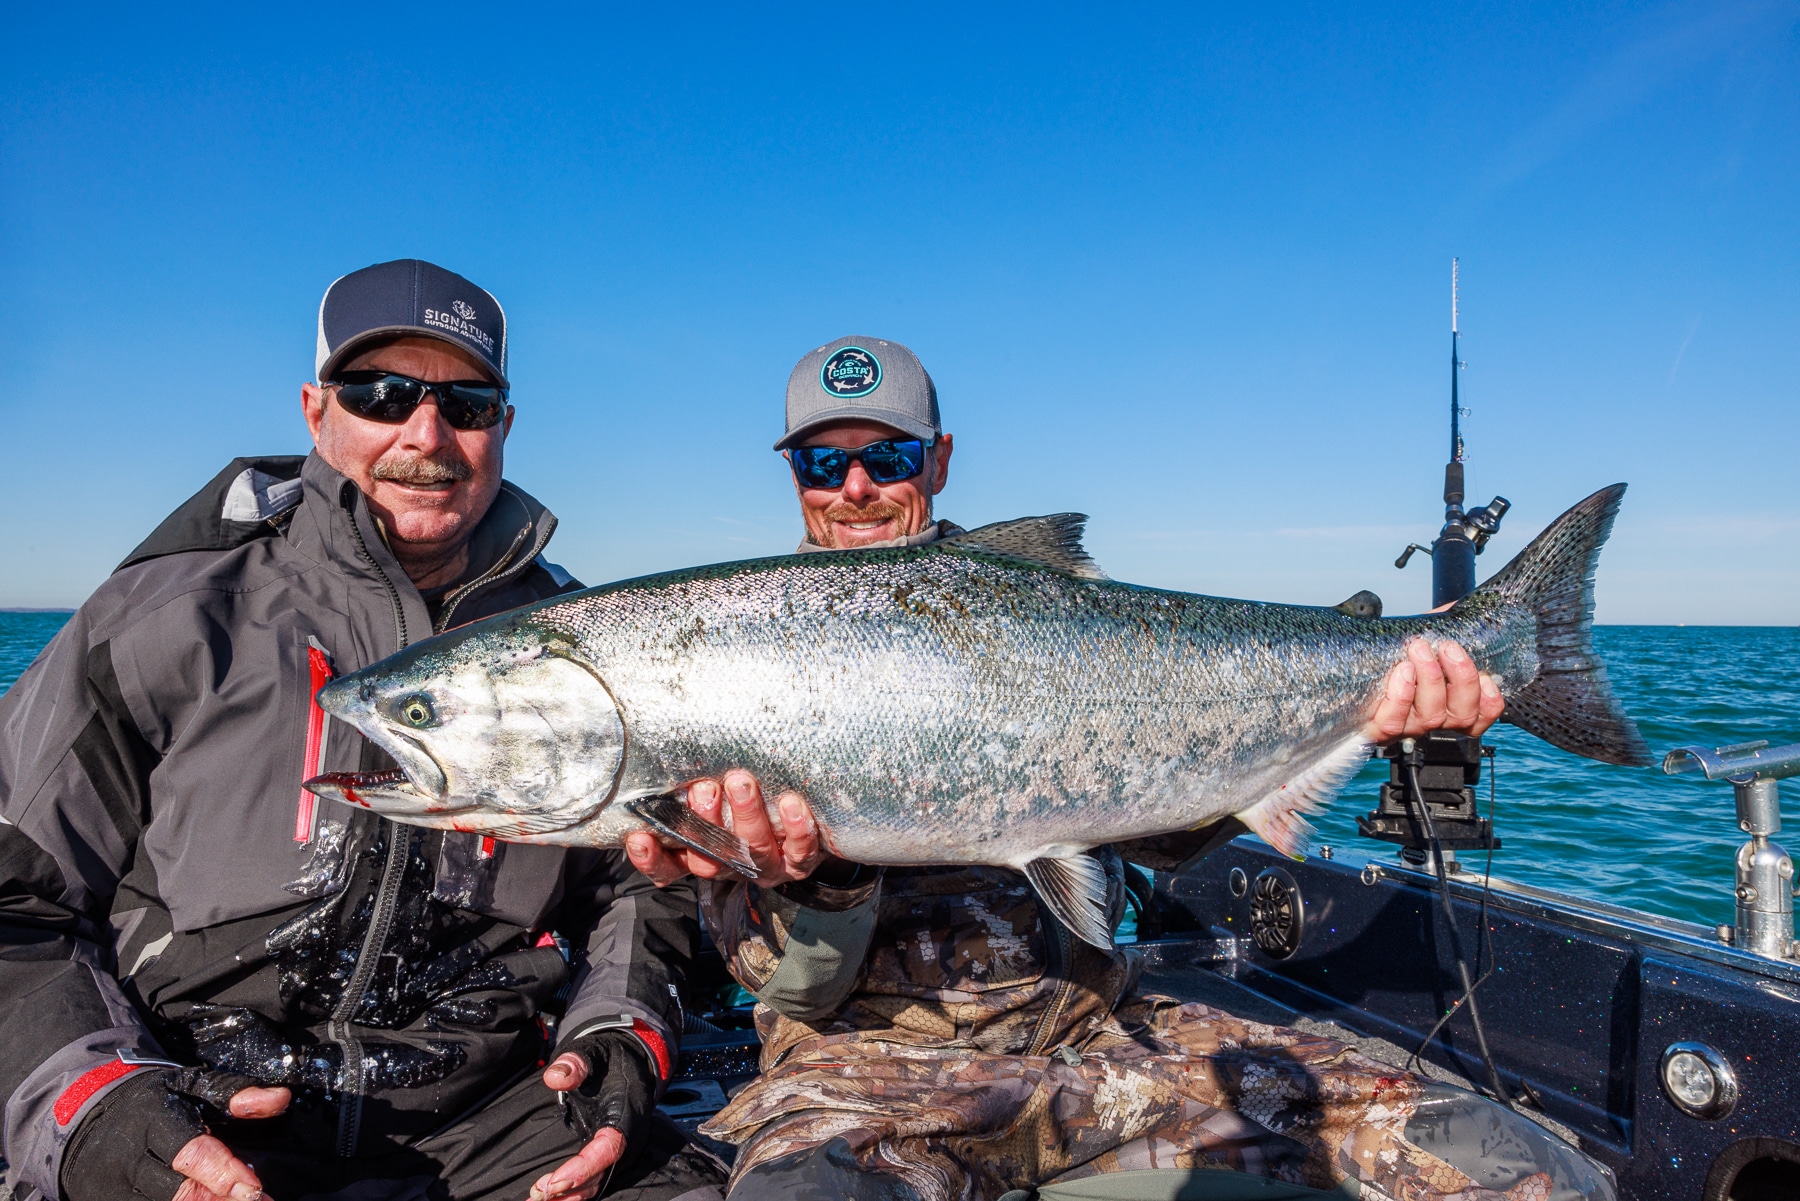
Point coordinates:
[[989, 698]]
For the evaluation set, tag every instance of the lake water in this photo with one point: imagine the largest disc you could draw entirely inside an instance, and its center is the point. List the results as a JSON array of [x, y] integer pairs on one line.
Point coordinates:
[[1632, 836]]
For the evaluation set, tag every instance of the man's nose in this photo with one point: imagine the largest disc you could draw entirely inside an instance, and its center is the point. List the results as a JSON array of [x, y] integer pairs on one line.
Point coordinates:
[[859, 489], [426, 430]]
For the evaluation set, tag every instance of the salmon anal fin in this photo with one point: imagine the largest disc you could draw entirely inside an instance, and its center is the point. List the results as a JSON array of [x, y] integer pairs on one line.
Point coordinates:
[[1279, 819], [1074, 889], [667, 814]]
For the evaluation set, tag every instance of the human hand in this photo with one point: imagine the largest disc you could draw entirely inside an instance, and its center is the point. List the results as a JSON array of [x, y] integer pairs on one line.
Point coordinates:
[[147, 1138], [608, 1087], [1434, 691], [784, 849]]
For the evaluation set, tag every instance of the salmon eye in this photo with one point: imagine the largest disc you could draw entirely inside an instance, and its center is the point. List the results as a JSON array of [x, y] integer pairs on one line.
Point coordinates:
[[416, 711]]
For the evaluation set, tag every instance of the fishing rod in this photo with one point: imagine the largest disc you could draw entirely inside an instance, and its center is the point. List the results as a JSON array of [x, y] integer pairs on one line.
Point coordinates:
[[1428, 805], [1464, 535]]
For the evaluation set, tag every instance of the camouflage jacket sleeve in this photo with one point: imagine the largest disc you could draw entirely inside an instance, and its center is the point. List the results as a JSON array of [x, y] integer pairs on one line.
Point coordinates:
[[797, 948]]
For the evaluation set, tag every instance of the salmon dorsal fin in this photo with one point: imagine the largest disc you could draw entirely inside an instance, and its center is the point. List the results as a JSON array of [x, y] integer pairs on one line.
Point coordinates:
[[1053, 541]]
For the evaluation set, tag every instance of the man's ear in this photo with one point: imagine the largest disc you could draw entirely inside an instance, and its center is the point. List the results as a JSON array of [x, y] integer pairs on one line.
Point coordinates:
[[940, 455], [312, 407]]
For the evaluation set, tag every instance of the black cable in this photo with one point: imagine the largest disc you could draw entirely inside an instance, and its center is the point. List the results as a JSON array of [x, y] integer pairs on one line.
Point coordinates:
[[1462, 963]]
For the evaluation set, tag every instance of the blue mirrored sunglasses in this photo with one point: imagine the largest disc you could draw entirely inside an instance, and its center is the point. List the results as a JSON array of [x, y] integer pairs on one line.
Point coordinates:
[[887, 462]]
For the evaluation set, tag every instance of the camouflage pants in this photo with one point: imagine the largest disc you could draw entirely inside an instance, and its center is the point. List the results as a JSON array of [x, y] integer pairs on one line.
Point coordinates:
[[1164, 1085]]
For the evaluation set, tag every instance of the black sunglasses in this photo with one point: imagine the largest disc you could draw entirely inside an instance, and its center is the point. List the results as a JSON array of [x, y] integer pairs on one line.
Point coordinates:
[[887, 462], [467, 404]]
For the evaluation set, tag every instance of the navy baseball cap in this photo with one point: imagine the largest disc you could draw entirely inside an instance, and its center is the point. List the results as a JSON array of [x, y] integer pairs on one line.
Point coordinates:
[[409, 297]]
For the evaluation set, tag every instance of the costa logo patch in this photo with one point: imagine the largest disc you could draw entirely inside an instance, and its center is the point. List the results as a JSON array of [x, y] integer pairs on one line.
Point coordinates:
[[850, 372]]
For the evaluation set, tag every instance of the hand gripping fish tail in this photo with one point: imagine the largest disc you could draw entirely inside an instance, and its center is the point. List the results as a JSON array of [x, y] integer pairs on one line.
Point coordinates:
[[989, 698]]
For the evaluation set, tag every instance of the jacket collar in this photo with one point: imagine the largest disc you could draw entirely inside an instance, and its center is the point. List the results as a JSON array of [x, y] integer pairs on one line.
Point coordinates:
[[333, 525]]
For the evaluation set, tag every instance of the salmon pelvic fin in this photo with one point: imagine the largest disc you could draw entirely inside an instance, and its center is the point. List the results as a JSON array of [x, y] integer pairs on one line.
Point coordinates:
[[1570, 704], [667, 814], [1279, 818]]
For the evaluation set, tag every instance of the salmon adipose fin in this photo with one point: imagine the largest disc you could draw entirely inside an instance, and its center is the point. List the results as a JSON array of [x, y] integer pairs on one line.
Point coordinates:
[[1569, 704], [1074, 889], [666, 814], [1279, 819]]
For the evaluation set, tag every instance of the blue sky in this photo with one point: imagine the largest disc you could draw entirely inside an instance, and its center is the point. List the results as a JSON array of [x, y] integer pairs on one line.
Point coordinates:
[[1185, 269]]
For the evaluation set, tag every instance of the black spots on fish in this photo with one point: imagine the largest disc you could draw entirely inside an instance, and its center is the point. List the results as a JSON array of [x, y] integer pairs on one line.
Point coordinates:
[[689, 635], [935, 605]]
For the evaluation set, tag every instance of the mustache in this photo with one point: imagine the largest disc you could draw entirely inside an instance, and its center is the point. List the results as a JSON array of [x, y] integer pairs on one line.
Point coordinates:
[[420, 469], [881, 510]]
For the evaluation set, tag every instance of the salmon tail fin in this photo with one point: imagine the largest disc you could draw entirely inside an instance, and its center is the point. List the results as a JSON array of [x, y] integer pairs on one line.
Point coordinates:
[[1279, 819], [1570, 704]]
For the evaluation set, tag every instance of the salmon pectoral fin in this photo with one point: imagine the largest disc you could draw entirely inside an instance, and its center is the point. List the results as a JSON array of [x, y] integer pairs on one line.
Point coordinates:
[[1074, 889], [1279, 819], [666, 813]]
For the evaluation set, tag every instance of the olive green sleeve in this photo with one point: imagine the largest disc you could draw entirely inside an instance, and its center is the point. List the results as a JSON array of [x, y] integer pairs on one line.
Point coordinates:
[[801, 960]]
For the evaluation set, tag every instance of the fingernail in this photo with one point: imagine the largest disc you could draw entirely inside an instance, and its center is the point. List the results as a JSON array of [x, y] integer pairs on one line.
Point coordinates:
[[1488, 687], [794, 812], [243, 1192], [1455, 651]]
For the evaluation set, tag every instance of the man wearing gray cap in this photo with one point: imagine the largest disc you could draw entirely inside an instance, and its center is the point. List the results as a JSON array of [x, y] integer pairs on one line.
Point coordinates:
[[217, 984], [868, 402], [931, 1033]]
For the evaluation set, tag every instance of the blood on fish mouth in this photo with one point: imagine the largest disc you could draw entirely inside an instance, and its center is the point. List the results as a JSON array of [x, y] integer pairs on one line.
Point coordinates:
[[349, 781]]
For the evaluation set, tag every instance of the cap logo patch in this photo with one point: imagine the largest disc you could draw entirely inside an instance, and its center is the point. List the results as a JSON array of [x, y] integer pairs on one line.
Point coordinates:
[[464, 309], [850, 372]]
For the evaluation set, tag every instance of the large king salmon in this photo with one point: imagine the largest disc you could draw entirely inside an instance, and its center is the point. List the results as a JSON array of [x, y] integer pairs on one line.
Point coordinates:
[[988, 698]]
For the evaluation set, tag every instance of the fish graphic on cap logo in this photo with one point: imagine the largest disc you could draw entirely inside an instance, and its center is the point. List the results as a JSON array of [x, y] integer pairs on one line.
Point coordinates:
[[851, 372]]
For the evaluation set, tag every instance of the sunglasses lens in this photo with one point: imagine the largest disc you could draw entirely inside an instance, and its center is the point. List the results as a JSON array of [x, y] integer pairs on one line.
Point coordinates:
[[391, 399], [891, 462], [377, 396], [472, 406], [820, 466]]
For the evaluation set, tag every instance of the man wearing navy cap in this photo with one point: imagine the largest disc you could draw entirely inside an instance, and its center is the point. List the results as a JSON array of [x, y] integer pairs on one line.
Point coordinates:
[[218, 985]]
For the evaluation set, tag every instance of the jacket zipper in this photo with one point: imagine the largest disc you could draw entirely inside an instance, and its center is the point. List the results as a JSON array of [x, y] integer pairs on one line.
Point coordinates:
[[381, 920], [1065, 969]]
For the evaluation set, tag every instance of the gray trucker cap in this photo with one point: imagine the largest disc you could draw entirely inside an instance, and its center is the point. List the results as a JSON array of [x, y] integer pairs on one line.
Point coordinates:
[[860, 378], [409, 296]]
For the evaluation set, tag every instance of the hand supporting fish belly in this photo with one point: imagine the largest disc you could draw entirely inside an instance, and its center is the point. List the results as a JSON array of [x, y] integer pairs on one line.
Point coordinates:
[[987, 698]]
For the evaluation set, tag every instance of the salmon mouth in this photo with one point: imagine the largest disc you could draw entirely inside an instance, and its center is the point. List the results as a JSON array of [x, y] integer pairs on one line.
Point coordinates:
[[360, 779], [378, 790]]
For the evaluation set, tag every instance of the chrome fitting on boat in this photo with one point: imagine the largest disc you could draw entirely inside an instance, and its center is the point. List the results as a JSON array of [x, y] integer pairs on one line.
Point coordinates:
[[1765, 873]]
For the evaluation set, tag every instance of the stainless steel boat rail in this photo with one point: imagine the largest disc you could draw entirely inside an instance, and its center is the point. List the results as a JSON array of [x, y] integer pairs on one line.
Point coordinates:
[[1765, 873]]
